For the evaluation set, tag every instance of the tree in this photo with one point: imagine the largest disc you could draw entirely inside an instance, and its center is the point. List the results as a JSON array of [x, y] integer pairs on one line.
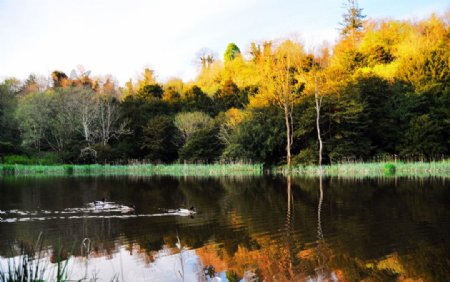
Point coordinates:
[[33, 117], [229, 122], [347, 131], [190, 122], [203, 146], [150, 91], [146, 78], [229, 96], [110, 124], [59, 78], [9, 128], [205, 57], [281, 86], [231, 52], [159, 142], [259, 137], [423, 138], [352, 20], [255, 51], [315, 77], [194, 99]]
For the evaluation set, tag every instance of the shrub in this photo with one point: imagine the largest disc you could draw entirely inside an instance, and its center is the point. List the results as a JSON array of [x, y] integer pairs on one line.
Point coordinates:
[[17, 159], [307, 156], [389, 169]]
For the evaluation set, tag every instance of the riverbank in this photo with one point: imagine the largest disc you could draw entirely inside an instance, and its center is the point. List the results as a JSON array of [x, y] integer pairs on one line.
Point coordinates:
[[375, 169]]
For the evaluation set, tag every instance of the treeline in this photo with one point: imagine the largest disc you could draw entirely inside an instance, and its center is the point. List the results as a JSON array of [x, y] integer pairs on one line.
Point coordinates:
[[382, 89]]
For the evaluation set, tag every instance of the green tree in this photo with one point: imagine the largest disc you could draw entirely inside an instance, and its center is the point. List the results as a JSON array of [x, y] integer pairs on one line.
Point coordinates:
[[423, 138], [346, 134], [194, 99], [204, 146], [377, 98], [258, 138], [229, 96], [150, 91], [9, 128], [160, 140], [352, 19], [231, 52]]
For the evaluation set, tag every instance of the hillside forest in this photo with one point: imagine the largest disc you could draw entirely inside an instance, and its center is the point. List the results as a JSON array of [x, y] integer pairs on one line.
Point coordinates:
[[381, 90]]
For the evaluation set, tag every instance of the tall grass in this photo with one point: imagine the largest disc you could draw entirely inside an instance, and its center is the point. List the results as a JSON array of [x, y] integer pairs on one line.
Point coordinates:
[[33, 263], [355, 169], [138, 169], [374, 169], [27, 265]]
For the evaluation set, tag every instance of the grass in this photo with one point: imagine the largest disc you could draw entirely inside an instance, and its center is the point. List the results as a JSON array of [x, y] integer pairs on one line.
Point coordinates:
[[138, 169], [356, 169], [27, 265], [374, 169], [33, 263]]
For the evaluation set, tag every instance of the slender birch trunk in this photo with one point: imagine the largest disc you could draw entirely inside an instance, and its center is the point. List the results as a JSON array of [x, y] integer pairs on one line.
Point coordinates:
[[318, 105]]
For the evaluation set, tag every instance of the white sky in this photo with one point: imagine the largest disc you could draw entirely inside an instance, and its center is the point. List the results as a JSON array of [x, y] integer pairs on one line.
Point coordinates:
[[122, 37]]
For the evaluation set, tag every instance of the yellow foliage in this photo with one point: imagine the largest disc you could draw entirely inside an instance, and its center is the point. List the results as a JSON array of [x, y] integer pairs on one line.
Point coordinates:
[[233, 117], [209, 255], [241, 72], [391, 263], [210, 78]]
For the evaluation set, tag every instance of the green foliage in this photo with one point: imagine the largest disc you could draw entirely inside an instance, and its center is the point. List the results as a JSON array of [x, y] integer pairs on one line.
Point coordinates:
[[229, 96], [259, 138], [151, 91], [377, 99], [9, 128], [389, 169], [308, 156], [346, 118], [160, 140], [423, 137], [42, 159], [203, 146], [352, 18], [194, 99], [17, 159], [231, 52]]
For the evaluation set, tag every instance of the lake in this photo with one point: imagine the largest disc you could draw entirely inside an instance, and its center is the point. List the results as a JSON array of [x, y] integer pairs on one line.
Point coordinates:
[[270, 228]]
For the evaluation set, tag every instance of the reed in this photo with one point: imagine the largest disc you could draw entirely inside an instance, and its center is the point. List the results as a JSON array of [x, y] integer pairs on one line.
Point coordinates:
[[135, 169], [374, 169]]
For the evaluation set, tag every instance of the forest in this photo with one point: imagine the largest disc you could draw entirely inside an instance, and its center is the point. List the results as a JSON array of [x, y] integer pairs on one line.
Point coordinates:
[[382, 90]]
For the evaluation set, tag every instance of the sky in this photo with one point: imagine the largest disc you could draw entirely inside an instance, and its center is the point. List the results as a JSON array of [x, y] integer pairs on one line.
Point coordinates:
[[121, 38]]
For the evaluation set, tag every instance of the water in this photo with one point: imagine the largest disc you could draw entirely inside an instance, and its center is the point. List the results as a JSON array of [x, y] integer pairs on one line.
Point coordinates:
[[271, 228]]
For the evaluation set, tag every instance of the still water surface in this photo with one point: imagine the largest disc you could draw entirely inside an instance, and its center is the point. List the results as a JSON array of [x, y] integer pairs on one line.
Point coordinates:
[[268, 228]]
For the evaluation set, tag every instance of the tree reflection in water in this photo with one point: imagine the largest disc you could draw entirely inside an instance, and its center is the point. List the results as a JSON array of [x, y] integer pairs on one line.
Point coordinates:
[[286, 261], [323, 253], [354, 230]]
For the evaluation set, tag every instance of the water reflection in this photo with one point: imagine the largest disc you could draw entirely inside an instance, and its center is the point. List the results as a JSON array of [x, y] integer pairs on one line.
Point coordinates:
[[266, 228], [323, 253]]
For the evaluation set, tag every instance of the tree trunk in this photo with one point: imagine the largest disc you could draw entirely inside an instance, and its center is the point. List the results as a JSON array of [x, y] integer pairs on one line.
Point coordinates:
[[288, 135], [318, 105]]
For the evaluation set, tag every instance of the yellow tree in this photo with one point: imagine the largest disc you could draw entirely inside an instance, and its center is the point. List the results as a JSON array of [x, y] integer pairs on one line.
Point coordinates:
[[317, 84], [280, 85]]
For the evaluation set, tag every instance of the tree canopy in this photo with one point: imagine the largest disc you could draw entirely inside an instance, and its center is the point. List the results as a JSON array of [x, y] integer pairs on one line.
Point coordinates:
[[381, 90]]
